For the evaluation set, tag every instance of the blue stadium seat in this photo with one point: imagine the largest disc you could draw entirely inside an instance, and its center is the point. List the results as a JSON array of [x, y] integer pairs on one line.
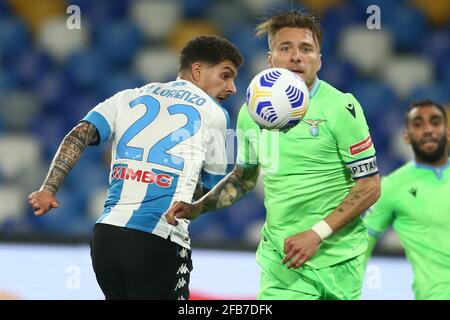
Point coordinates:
[[54, 88], [34, 64], [7, 81], [50, 129], [341, 74], [375, 98], [437, 92], [437, 46], [87, 68], [407, 25], [118, 82], [101, 12], [14, 36], [337, 18], [68, 218], [195, 8], [78, 105], [118, 41], [243, 36]]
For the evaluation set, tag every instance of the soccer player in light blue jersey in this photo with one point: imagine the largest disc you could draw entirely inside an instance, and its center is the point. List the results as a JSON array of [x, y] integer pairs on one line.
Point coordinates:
[[165, 137]]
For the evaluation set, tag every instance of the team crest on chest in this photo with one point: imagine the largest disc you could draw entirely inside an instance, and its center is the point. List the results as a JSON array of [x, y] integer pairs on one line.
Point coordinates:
[[314, 126]]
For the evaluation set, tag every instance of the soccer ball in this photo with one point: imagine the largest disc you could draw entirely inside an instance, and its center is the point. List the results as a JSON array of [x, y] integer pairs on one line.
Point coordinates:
[[277, 98]]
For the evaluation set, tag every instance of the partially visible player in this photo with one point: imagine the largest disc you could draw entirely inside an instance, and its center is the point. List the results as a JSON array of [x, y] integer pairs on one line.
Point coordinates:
[[313, 242], [415, 200], [165, 135]]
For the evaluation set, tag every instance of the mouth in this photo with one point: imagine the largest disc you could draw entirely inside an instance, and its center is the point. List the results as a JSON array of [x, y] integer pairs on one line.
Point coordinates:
[[430, 144], [298, 72]]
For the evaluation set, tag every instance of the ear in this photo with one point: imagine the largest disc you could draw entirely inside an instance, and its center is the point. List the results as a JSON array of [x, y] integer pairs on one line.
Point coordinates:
[[269, 59], [196, 70], [406, 138], [320, 63]]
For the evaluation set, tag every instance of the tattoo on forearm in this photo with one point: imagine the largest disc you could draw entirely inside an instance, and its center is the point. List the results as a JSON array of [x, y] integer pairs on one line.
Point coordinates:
[[235, 186], [199, 192], [68, 154], [352, 199]]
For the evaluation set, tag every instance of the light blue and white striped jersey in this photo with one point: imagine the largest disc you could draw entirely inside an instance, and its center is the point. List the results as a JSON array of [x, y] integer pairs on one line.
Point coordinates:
[[165, 135]]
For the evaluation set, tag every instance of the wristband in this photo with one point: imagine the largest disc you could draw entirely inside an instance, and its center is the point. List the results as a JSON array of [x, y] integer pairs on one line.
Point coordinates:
[[322, 229]]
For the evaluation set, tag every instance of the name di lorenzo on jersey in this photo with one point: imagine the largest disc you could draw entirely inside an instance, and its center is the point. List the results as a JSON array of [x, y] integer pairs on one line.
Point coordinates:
[[124, 173]]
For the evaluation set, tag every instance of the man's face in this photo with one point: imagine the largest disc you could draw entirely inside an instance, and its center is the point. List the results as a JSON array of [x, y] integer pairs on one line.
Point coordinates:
[[427, 133], [216, 80], [296, 50]]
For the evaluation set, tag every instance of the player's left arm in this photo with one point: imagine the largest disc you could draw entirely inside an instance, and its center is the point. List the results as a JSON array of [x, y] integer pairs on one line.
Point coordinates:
[[300, 247], [356, 148]]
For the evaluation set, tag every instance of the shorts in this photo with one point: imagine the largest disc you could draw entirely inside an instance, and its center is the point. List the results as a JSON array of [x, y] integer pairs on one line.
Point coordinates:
[[342, 281], [133, 264]]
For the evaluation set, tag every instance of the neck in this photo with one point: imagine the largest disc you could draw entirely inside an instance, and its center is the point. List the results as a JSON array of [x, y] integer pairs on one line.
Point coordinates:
[[187, 77], [436, 164]]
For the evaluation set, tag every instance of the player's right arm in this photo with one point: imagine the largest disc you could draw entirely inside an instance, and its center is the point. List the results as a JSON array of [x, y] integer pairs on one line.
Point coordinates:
[[96, 127], [379, 217], [241, 180], [68, 154], [229, 190]]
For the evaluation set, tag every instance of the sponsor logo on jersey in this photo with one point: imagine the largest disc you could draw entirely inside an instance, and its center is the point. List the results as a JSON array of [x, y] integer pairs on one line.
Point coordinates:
[[161, 180], [351, 108], [361, 146], [314, 126]]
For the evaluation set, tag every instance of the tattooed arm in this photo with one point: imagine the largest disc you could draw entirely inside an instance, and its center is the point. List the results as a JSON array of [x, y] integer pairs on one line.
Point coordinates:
[[228, 191], [300, 247], [364, 194], [66, 157]]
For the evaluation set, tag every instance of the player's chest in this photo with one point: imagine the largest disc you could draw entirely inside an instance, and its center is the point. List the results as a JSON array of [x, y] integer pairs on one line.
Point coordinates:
[[425, 201]]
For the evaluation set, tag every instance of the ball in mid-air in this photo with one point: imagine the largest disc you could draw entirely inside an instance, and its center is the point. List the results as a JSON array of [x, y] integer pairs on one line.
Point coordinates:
[[277, 98]]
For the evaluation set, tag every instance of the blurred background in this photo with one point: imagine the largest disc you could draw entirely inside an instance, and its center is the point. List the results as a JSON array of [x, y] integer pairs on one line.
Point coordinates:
[[55, 68]]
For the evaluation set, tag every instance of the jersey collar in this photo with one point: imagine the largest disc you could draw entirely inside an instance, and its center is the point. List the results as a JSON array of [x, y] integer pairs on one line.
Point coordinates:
[[438, 171], [314, 87]]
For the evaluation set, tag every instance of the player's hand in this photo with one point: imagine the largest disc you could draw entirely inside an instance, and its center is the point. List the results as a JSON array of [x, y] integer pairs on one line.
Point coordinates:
[[300, 247], [183, 210], [42, 202]]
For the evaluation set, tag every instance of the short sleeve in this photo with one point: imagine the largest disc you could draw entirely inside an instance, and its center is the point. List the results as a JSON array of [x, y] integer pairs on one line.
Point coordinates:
[[103, 117], [216, 159], [353, 138]]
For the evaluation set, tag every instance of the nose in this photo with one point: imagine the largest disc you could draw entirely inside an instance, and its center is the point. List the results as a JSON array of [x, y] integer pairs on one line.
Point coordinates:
[[231, 88], [427, 127], [296, 56]]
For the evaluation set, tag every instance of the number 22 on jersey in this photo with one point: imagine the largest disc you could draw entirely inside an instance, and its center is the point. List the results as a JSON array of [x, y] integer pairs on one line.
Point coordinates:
[[158, 152]]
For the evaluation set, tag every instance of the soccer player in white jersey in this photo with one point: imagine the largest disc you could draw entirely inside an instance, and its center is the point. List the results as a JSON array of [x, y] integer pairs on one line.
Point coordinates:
[[167, 139]]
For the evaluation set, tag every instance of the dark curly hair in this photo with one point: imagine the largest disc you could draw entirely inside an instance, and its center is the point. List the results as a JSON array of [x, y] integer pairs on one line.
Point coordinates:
[[211, 49]]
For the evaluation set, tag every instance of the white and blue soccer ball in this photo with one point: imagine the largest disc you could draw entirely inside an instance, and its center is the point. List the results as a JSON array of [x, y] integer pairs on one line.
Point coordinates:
[[277, 98]]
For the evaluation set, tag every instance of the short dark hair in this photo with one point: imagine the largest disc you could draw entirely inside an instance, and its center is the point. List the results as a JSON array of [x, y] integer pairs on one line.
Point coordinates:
[[292, 19], [211, 49], [424, 103]]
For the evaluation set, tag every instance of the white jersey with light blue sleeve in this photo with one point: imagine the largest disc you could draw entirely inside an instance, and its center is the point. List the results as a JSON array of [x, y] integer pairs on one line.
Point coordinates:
[[165, 136]]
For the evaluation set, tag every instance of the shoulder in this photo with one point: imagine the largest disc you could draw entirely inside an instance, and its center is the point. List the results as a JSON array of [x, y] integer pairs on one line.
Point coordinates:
[[327, 92], [244, 120], [398, 176]]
